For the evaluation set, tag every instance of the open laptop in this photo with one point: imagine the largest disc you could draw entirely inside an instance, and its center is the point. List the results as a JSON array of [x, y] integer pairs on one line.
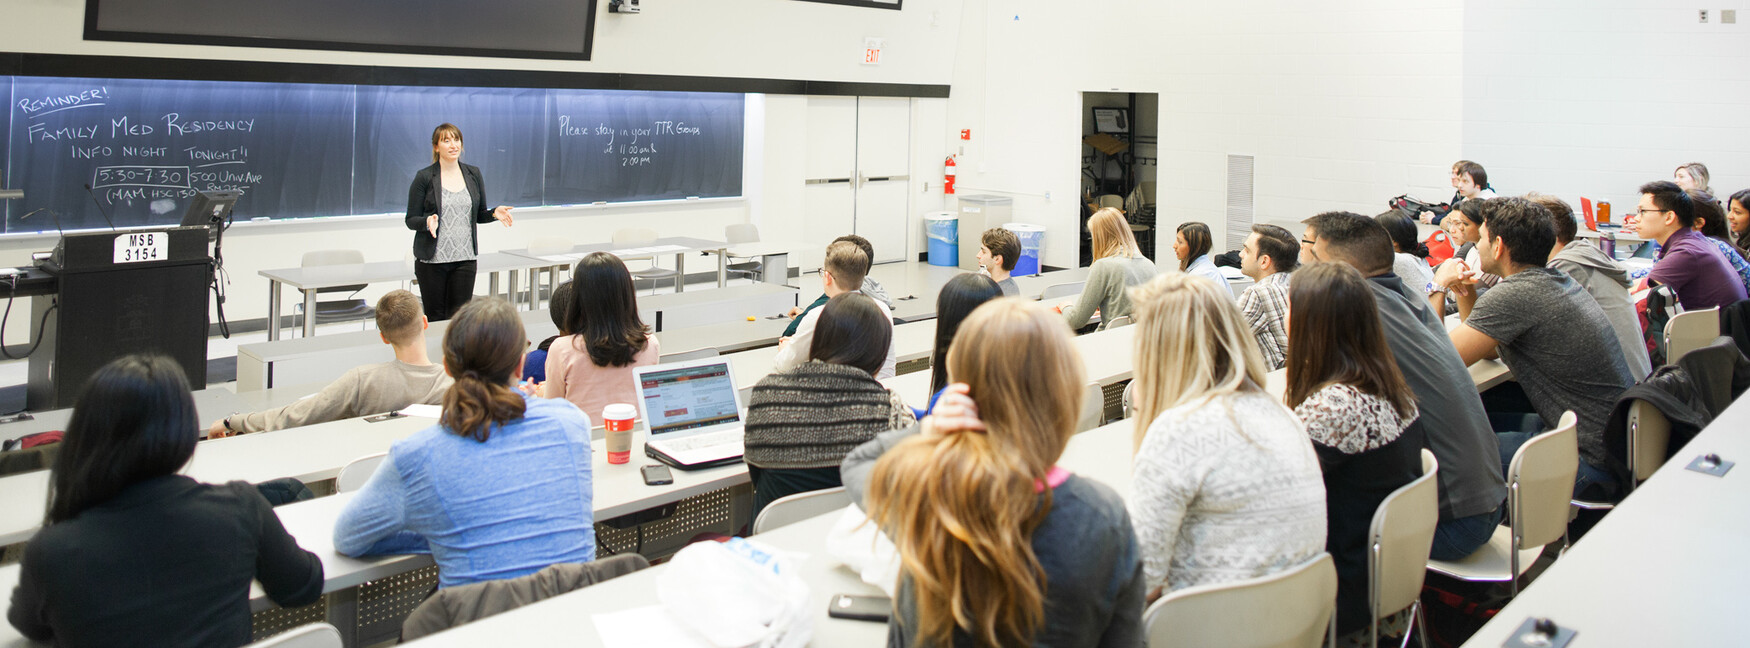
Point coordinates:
[[692, 411]]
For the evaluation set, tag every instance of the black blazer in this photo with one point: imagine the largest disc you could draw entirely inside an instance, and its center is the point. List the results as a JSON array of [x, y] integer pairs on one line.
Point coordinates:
[[167, 562], [425, 197]]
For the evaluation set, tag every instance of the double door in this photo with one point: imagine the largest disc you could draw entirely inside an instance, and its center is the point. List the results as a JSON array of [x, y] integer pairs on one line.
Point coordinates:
[[858, 171]]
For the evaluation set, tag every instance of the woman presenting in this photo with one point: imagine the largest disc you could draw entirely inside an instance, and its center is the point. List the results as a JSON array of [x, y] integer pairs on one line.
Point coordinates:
[[445, 202]]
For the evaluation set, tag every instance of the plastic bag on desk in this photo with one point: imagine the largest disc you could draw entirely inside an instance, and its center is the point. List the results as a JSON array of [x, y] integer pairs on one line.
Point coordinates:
[[737, 594], [856, 542]]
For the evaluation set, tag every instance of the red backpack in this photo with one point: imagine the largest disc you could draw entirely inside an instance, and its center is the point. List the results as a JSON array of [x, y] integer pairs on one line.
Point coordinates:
[[1439, 248]]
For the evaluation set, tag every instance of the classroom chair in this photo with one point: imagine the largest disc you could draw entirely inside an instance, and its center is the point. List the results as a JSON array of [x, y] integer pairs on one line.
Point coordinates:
[[337, 310], [1399, 539], [736, 234], [354, 475], [1119, 322], [695, 354], [638, 237], [1649, 438], [1093, 408], [1062, 290], [546, 246], [1292, 608], [790, 509], [315, 635], [1691, 330], [1540, 483]]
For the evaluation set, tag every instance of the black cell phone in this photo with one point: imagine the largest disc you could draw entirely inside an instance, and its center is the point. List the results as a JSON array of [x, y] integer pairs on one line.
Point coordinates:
[[861, 607], [657, 475]]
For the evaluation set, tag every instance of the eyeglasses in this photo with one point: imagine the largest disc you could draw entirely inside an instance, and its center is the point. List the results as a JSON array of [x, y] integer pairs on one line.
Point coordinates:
[[1306, 242], [1644, 211]]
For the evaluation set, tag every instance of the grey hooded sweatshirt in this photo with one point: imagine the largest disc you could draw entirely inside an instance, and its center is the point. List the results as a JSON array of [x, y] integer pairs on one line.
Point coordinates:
[[1608, 283]]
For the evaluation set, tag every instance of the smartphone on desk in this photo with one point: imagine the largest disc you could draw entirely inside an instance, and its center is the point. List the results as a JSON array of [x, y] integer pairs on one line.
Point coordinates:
[[657, 475], [859, 607]]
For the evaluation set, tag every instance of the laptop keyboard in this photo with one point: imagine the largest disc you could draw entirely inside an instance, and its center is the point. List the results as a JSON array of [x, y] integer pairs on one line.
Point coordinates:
[[714, 439]]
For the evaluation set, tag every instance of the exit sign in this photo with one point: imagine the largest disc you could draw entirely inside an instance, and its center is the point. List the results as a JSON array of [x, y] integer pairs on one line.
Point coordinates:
[[872, 50]]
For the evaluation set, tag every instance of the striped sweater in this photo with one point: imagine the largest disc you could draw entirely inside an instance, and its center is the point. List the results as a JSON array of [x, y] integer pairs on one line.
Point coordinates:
[[814, 414]]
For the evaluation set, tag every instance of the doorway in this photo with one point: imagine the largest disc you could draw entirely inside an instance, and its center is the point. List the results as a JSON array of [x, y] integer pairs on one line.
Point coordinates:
[[1119, 158], [858, 170]]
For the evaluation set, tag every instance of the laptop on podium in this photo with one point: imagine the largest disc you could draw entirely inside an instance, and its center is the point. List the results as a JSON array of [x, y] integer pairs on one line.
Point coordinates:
[[692, 411]]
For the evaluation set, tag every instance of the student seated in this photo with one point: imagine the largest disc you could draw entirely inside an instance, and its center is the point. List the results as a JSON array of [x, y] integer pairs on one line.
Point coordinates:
[[1710, 220], [802, 422], [1346, 388], [1118, 266], [1267, 256], [869, 287], [409, 379], [1452, 418], [535, 363], [592, 367], [1225, 486], [843, 273], [997, 254], [1738, 216], [959, 297], [1462, 272], [133, 553], [500, 487], [1192, 244], [1688, 262], [1410, 261], [1551, 333], [1602, 277], [1469, 181], [1000, 546]]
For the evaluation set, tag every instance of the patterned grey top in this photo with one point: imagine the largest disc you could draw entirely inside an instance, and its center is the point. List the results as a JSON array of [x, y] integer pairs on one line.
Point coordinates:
[[455, 240], [1225, 490]]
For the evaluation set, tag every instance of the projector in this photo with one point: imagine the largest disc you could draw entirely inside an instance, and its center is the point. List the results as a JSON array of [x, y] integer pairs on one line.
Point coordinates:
[[623, 6]]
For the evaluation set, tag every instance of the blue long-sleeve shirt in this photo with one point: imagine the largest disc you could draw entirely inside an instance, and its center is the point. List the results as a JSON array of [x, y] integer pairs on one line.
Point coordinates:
[[505, 508]]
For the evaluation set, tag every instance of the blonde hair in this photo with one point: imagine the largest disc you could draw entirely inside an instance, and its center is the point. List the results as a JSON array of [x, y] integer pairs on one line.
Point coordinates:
[[961, 506], [1697, 172], [1192, 345], [847, 264], [1112, 235]]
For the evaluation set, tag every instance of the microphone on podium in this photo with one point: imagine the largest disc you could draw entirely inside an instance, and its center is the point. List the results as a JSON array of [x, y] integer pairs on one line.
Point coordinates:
[[100, 208]]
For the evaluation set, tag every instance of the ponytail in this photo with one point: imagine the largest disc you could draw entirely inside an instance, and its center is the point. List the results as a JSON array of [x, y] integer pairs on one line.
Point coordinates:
[[484, 341], [1421, 251], [964, 535]]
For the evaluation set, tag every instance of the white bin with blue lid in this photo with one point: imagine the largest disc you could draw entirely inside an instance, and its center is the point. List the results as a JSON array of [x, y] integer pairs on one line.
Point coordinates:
[[943, 231], [1032, 247]]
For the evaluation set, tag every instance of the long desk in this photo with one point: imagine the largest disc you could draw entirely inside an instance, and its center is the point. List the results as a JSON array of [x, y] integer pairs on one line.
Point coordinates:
[[1666, 568], [679, 246], [309, 280], [911, 342], [211, 404], [1106, 357], [725, 311]]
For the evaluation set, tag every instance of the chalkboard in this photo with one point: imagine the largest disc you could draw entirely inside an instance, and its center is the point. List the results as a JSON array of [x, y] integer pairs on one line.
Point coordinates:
[[315, 150]]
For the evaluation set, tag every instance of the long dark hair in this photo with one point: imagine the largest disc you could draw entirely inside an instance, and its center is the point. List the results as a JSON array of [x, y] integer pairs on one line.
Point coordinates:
[[1741, 239], [1403, 233], [1334, 337], [604, 312], [1197, 238], [1712, 216], [134, 421], [852, 332], [482, 346], [959, 297]]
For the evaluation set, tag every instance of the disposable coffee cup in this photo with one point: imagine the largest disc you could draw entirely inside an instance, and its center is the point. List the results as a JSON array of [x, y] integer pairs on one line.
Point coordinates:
[[618, 419]]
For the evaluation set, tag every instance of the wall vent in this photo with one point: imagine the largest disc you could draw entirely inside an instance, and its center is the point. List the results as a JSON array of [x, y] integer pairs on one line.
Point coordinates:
[[1239, 200]]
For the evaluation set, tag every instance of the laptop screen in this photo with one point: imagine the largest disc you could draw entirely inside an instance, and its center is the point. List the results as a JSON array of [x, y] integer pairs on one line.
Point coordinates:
[[689, 397]]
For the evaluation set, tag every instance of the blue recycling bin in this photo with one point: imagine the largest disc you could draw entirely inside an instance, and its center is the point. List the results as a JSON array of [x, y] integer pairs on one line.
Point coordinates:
[[943, 231], [1032, 246]]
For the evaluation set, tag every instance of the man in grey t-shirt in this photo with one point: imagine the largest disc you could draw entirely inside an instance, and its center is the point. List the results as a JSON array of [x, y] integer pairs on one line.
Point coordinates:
[[1550, 332]]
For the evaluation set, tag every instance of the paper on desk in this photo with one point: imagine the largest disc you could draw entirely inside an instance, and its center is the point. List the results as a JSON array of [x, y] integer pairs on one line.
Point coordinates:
[[650, 625], [426, 411]]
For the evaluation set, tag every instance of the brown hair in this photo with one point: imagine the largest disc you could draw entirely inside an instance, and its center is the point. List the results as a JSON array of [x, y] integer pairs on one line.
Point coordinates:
[[1002, 242], [437, 135], [1111, 235], [398, 317], [847, 264], [964, 534], [864, 245], [484, 342], [603, 312], [1192, 345], [1197, 241], [1561, 216], [1334, 337]]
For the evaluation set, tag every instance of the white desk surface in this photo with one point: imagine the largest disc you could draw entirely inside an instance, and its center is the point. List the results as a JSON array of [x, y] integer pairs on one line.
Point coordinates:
[[911, 341], [568, 620], [1105, 358], [303, 278], [686, 245], [211, 403], [762, 248], [1666, 568]]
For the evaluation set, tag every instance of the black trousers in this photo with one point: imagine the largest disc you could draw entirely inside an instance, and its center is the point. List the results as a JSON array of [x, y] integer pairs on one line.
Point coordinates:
[[444, 287]]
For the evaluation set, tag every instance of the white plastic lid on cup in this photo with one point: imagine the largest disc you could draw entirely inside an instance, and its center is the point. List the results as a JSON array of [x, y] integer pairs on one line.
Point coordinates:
[[619, 412]]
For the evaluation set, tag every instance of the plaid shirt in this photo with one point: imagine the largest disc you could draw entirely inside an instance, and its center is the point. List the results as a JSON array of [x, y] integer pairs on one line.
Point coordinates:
[[1265, 305]]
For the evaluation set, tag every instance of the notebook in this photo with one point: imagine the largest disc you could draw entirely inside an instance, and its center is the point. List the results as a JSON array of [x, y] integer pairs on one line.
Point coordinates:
[[692, 411]]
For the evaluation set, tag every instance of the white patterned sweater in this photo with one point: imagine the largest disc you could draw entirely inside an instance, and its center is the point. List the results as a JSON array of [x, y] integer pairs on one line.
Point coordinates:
[[1216, 502]]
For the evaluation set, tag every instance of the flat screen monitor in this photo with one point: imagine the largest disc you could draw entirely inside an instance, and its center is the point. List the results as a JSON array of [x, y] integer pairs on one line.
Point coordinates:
[[210, 209], [1111, 120]]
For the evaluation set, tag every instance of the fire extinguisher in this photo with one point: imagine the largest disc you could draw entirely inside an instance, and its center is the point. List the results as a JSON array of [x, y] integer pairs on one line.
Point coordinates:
[[948, 177]]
